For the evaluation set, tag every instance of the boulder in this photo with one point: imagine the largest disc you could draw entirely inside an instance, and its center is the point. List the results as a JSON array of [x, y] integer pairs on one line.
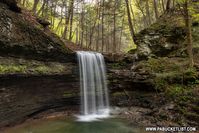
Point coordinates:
[[43, 22], [162, 38]]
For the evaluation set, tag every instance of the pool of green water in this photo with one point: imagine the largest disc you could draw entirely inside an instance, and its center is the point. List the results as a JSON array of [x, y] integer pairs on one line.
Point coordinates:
[[112, 125]]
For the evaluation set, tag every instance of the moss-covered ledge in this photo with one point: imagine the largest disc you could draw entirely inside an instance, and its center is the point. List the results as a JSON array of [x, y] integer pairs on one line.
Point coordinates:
[[10, 66]]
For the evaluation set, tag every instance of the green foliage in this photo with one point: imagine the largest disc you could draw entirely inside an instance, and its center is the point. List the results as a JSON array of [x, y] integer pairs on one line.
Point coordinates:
[[175, 90], [156, 65], [160, 65], [193, 8], [160, 84], [191, 75], [68, 94], [118, 65], [170, 72], [180, 93]]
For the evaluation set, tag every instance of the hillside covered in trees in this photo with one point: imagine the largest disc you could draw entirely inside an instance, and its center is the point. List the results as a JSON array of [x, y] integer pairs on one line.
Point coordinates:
[[107, 26], [150, 47]]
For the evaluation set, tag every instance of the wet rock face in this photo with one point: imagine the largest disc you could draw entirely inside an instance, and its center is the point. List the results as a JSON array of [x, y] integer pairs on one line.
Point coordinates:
[[25, 93], [22, 97]]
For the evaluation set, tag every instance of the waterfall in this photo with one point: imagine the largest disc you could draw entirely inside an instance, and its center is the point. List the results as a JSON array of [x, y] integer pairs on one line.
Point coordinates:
[[93, 85]]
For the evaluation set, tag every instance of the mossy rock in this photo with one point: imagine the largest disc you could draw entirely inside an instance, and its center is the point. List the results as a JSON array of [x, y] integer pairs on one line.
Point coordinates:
[[22, 66], [26, 39]]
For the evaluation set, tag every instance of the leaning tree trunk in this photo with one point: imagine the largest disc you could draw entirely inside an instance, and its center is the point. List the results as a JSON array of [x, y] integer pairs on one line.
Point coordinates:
[[130, 22]]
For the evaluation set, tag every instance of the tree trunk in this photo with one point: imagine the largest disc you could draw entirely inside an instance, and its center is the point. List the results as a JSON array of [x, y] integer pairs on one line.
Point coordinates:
[[76, 34], [59, 24], [71, 20], [66, 28], [67, 19], [42, 8], [120, 42], [142, 11], [114, 30], [148, 12], [102, 47], [134, 20], [98, 28], [173, 3], [189, 33], [92, 31], [54, 6], [82, 25], [35, 6], [163, 6], [156, 9], [45, 10], [130, 22], [24, 2], [168, 4]]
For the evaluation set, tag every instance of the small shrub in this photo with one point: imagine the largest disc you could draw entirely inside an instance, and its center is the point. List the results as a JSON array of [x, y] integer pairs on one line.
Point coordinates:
[[160, 84], [175, 90], [190, 76]]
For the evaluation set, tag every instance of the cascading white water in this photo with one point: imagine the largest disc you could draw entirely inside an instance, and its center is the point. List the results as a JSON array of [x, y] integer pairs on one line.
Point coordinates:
[[93, 85]]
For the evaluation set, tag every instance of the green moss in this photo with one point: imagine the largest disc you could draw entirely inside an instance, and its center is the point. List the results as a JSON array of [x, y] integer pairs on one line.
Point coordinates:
[[175, 90], [191, 75], [67, 95], [163, 80], [160, 65], [118, 65], [21, 66], [41, 69], [115, 94], [169, 72], [160, 84], [181, 94], [12, 68]]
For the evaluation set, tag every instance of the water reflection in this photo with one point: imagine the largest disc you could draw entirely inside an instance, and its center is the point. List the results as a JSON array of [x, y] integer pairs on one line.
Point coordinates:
[[71, 126]]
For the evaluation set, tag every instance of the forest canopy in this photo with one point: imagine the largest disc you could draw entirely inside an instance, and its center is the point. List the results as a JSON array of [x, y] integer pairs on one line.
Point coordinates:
[[103, 25]]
